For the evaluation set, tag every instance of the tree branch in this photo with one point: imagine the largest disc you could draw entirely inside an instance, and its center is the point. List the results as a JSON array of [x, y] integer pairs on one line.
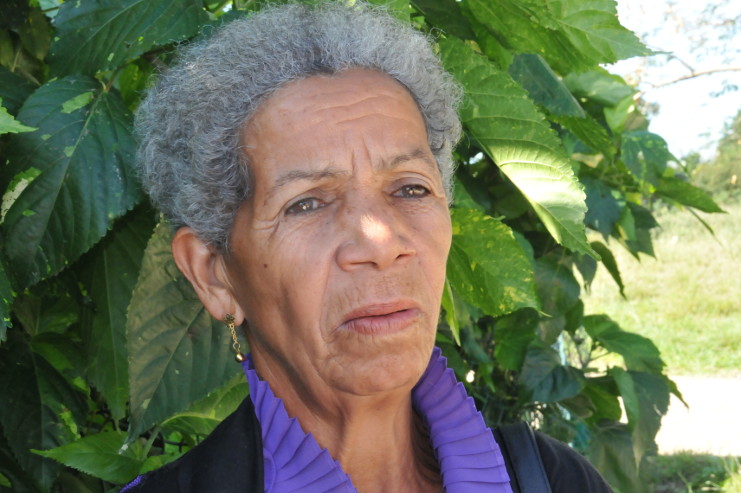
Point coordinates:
[[692, 75]]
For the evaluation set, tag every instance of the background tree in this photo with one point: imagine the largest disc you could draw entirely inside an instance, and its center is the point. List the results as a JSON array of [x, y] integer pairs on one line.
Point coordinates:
[[697, 61], [110, 366], [722, 174]]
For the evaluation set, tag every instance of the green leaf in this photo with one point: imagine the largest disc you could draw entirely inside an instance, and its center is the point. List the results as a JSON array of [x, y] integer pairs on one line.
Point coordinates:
[[445, 15], [686, 194], [608, 260], [513, 334], [6, 297], [49, 307], [639, 353], [619, 115], [646, 400], [487, 266], [110, 272], [449, 303], [36, 34], [9, 125], [606, 404], [635, 228], [177, 353], [63, 352], [99, 35], [571, 35], [463, 198], [544, 86], [36, 397], [589, 132], [558, 291], [202, 416], [70, 179], [611, 451], [545, 378], [646, 155], [604, 205], [508, 126], [103, 455], [587, 267], [20, 480], [13, 90], [599, 86], [595, 31]]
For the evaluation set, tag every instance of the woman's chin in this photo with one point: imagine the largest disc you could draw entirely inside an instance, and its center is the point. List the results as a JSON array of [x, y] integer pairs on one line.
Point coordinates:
[[397, 368]]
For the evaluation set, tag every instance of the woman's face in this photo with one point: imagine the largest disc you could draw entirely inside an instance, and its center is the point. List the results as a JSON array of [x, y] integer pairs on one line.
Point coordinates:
[[338, 258]]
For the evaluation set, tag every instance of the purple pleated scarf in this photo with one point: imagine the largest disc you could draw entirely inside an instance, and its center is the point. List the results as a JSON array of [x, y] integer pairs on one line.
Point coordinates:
[[469, 457]]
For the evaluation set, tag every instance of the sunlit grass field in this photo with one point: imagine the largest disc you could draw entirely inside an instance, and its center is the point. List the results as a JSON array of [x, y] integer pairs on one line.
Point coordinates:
[[687, 299]]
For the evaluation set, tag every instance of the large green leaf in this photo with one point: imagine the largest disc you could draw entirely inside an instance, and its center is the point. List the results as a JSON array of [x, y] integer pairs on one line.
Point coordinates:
[[202, 416], [99, 35], [110, 272], [611, 451], [639, 353], [604, 205], [646, 155], [646, 400], [20, 480], [36, 399], [177, 353], [14, 89], [591, 136], [513, 334], [9, 125], [545, 378], [604, 401], [599, 86], [508, 126], [558, 291], [572, 35], [608, 260], [487, 266], [69, 180], [103, 455], [686, 194], [544, 86]]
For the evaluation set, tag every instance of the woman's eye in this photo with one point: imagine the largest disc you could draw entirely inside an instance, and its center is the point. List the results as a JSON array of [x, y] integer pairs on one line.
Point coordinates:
[[304, 205], [413, 191]]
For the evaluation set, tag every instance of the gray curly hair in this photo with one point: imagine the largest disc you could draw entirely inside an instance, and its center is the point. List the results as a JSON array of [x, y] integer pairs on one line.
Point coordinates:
[[189, 123]]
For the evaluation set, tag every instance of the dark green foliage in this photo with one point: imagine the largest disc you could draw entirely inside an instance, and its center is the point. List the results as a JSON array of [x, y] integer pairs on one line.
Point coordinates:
[[109, 365]]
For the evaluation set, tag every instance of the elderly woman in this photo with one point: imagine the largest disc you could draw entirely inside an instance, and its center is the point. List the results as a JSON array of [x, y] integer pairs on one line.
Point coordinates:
[[303, 157]]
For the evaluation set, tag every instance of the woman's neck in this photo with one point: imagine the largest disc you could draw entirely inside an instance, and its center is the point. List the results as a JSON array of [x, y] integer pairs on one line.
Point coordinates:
[[379, 440], [382, 448]]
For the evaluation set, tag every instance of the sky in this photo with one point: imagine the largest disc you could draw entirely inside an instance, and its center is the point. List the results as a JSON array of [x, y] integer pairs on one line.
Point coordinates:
[[689, 117]]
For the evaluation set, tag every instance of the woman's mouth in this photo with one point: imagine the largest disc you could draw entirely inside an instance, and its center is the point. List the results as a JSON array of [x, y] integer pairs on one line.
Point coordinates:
[[381, 319]]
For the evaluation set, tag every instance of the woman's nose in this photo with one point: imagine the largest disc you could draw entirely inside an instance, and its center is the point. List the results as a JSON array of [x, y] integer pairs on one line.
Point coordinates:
[[374, 236]]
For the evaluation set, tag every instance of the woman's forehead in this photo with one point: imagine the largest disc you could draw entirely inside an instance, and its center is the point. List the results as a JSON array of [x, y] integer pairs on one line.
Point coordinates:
[[323, 116], [357, 90]]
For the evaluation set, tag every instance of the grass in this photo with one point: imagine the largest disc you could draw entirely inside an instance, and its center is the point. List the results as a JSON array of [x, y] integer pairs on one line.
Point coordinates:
[[692, 473], [688, 299]]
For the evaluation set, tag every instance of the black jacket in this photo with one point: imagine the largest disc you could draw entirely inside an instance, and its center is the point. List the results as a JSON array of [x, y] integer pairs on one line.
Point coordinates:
[[230, 460]]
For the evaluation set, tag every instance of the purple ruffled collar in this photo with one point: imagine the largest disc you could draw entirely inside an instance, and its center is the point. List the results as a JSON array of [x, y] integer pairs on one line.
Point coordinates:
[[469, 457]]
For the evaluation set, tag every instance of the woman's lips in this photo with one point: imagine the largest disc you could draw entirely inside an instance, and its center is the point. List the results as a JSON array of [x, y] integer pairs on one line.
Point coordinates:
[[381, 319]]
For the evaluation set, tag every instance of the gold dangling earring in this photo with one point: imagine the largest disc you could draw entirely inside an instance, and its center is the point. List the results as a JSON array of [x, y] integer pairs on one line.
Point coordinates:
[[229, 321]]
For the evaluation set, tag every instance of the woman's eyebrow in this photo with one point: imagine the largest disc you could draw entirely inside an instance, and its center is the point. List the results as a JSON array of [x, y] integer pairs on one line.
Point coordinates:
[[418, 154], [301, 174]]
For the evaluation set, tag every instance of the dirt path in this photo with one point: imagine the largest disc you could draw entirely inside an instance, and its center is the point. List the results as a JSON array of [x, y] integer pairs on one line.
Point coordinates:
[[711, 424]]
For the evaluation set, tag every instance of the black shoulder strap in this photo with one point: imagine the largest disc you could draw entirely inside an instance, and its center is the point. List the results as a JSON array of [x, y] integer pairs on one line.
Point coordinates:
[[524, 458]]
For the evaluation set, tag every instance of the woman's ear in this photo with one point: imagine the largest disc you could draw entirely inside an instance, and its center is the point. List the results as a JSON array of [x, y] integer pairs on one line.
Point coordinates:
[[204, 267]]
